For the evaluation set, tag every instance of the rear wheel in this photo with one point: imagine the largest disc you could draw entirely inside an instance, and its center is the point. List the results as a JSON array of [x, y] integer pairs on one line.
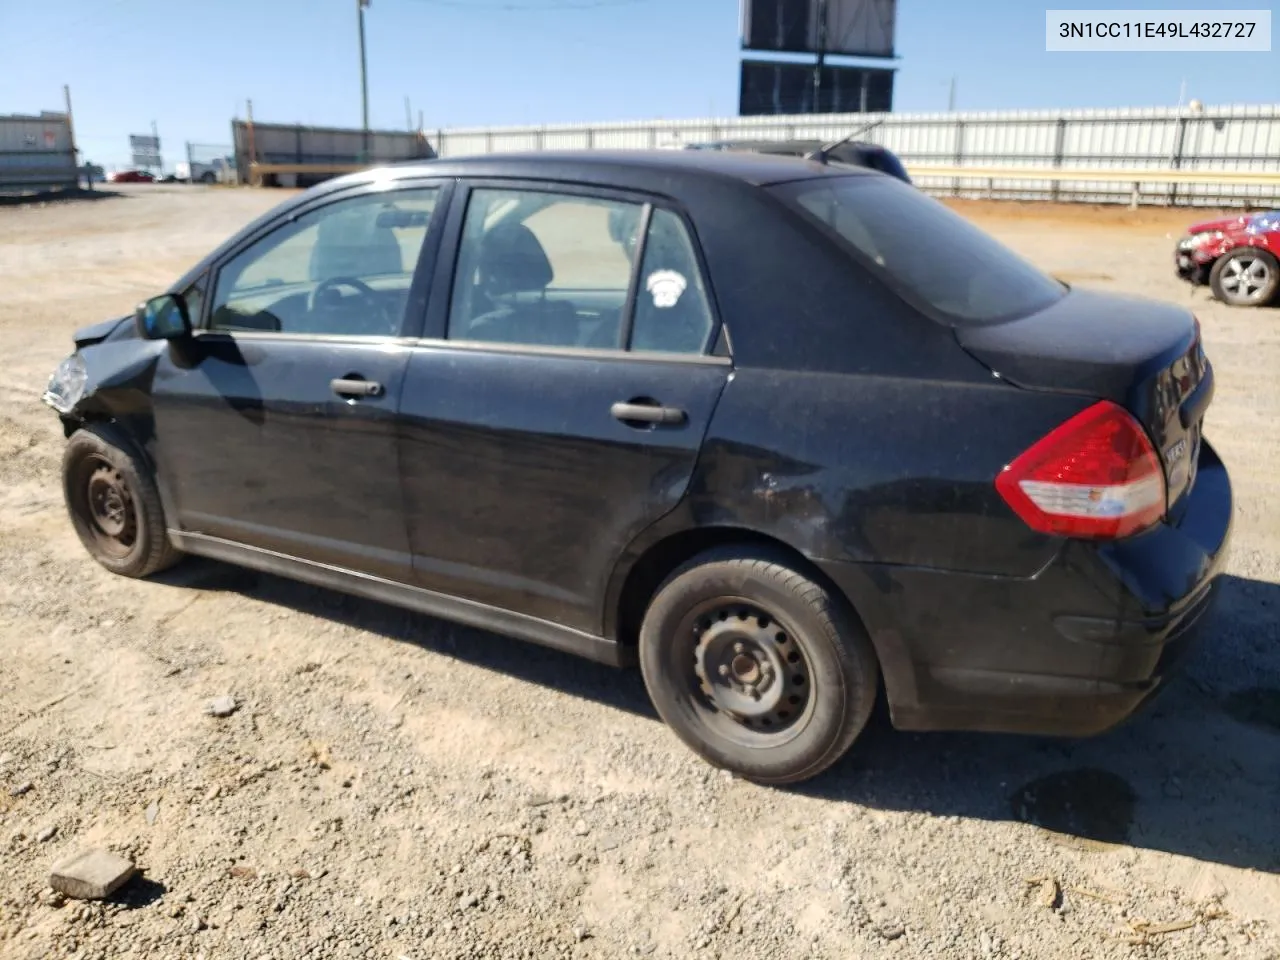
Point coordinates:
[[1245, 277], [114, 504], [208, 177], [756, 667]]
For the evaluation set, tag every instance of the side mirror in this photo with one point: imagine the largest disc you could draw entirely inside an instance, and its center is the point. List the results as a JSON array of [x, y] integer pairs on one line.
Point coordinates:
[[163, 318]]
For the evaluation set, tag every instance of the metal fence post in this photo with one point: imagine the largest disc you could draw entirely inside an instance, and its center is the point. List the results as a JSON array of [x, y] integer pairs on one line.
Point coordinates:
[[1179, 141], [959, 156], [1059, 149]]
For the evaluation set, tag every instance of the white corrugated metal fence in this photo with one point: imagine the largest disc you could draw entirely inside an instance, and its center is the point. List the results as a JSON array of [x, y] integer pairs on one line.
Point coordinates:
[[1215, 138]]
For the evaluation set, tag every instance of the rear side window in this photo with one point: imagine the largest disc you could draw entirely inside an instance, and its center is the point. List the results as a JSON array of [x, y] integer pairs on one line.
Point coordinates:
[[538, 267], [934, 258], [672, 311], [543, 268]]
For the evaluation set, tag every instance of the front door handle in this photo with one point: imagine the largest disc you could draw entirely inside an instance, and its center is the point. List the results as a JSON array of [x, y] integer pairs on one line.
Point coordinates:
[[348, 388], [630, 413]]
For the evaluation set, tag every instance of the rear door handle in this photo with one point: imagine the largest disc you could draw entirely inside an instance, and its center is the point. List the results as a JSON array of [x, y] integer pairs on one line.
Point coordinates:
[[646, 413], [355, 388]]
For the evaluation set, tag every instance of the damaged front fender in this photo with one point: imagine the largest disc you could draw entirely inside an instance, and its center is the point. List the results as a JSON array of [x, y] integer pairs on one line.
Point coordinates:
[[98, 332], [105, 379]]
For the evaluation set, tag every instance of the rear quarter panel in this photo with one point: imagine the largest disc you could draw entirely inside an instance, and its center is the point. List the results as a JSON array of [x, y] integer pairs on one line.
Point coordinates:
[[876, 469]]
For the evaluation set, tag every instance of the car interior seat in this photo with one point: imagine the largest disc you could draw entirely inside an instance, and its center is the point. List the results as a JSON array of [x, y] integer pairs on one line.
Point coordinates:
[[512, 264], [354, 245]]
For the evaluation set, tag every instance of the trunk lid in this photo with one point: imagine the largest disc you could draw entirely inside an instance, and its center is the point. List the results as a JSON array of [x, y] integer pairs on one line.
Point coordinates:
[[1142, 354]]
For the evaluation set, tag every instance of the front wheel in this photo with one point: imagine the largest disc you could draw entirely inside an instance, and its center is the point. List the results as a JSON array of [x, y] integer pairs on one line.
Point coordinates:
[[114, 504], [1245, 277], [756, 667]]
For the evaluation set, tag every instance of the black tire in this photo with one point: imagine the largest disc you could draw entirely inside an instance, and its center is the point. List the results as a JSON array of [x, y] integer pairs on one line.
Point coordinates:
[[114, 504], [1245, 277], [208, 177], [715, 679]]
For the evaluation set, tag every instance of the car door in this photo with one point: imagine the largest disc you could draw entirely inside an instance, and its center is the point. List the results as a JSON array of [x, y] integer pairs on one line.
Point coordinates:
[[556, 407], [275, 422]]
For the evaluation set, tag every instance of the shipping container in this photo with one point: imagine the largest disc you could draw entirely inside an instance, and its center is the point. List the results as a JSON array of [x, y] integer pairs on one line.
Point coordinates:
[[36, 153], [295, 155]]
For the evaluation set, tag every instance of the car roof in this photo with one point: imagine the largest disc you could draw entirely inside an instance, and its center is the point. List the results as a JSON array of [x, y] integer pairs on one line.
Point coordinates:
[[759, 169]]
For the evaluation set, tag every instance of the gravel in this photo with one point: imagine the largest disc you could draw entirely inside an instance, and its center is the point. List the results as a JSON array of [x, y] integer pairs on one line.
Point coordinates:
[[392, 786]]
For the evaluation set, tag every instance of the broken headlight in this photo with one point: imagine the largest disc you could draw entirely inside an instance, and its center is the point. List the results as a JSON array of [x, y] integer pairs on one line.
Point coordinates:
[[1196, 239], [66, 386]]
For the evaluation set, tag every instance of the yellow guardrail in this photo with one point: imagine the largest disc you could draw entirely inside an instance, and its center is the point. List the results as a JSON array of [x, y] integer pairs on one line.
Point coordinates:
[[1135, 178], [259, 171]]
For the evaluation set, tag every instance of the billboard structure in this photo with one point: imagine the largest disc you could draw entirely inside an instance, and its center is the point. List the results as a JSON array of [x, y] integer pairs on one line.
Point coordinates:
[[145, 151], [851, 28], [768, 87]]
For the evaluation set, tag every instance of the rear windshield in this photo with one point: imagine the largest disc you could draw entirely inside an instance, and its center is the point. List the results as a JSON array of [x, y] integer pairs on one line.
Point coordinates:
[[932, 257]]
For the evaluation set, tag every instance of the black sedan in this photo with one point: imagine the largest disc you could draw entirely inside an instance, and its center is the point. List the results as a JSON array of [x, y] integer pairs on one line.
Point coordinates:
[[785, 433]]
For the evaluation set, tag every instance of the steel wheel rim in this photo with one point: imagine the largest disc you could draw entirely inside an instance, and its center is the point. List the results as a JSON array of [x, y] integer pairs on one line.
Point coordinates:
[[109, 509], [1245, 277], [745, 673]]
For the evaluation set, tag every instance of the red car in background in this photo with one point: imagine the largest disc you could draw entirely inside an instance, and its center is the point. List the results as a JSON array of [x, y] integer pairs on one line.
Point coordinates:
[[131, 176], [1239, 258]]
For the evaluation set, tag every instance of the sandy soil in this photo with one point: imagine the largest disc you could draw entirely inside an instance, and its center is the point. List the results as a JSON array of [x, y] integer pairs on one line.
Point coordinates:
[[392, 786]]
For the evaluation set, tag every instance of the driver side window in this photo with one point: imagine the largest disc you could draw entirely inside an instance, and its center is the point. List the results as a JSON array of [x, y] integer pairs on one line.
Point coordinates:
[[344, 269]]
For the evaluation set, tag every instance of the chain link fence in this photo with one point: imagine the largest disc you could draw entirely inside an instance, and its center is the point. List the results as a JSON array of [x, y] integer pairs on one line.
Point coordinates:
[[209, 163]]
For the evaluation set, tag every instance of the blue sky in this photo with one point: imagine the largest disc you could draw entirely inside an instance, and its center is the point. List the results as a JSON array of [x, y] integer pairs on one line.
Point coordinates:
[[477, 62]]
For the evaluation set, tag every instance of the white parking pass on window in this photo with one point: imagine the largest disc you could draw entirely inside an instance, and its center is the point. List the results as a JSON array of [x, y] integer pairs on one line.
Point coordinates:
[[666, 286]]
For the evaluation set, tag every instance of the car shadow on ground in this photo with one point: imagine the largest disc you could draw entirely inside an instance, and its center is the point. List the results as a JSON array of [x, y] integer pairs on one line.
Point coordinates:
[[46, 197], [620, 689], [1197, 772]]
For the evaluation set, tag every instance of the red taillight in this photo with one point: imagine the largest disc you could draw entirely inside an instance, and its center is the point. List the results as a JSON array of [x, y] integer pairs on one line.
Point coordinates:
[[1095, 476]]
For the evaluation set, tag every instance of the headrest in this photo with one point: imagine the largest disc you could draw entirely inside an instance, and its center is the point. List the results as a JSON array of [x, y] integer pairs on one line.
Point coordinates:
[[353, 245], [513, 261]]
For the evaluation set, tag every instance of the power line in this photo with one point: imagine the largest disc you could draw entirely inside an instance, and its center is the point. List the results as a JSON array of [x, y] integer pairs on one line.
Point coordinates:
[[505, 5]]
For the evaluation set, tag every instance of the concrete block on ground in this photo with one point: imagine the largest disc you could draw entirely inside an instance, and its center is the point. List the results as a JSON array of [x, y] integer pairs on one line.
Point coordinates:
[[91, 874]]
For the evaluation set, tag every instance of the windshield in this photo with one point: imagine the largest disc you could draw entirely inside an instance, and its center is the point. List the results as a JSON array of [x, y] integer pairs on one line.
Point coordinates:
[[933, 258]]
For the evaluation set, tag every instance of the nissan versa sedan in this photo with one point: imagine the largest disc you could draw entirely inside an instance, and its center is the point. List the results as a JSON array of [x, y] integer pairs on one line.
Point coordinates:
[[791, 436]]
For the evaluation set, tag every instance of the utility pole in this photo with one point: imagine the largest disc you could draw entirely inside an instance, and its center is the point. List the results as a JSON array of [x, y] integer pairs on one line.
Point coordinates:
[[822, 53], [247, 175], [364, 77], [71, 134], [408, 115], [951, 97], [159, 160]]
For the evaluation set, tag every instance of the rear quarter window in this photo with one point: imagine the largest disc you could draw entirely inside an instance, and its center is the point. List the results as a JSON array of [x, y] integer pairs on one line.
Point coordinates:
[[932, 257]]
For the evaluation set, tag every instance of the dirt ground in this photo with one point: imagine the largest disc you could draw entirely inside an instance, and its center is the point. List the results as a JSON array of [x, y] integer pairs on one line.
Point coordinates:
[[396, 787]]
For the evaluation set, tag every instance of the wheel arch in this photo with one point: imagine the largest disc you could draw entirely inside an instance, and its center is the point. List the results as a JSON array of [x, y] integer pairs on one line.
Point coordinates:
[[634, 584]]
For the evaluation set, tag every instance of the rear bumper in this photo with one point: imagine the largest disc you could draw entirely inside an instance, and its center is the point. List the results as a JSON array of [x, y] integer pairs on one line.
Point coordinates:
[[1072, 651]]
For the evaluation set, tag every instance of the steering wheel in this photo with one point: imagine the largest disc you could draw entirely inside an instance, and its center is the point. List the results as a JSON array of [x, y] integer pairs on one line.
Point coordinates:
[[326, 295]]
